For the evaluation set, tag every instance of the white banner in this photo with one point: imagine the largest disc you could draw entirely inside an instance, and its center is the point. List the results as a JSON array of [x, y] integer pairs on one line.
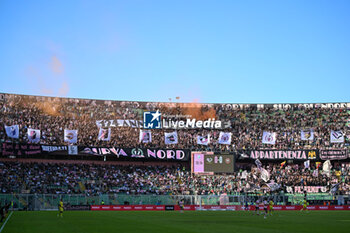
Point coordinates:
[[308, 189], [33, 135], [12, 131], [307, 135], [269, 138], [203, 140], [145, 136], [71, 135], [170, 138], [337, 136], [225, 138], [104, 134]]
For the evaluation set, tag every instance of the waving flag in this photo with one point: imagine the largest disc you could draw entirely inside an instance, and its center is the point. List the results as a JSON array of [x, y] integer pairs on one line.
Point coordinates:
[[283, 163], [273, 186], [71, 135], [258, 164], [104, 134], [307, 164], [33, 135], [334, 188], [327, 168], [265, 175], [307, 135], [269, 138], [337, 136], [225, 138], [145, 136], [203, 140], [12, 131], [318, 164], [170, 138]]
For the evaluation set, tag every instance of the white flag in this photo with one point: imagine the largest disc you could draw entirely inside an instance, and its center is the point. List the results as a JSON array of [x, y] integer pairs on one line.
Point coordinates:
[[203, 140], [12, 131], [104, 134], [71, 135], [72, 150], [33, 135], [265, 175], [307, 135], [170, 138], [145, 136], [273, 186], [337, 136], [269, 138], [225, 138], [327, 168], [307, 164], [244, 175]]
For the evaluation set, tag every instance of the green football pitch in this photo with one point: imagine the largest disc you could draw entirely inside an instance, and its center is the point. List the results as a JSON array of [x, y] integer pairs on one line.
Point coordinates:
[[187, 222]]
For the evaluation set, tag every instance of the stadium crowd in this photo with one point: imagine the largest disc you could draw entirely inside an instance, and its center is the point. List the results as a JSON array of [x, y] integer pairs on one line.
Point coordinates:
[[94, 179], [53, 115]]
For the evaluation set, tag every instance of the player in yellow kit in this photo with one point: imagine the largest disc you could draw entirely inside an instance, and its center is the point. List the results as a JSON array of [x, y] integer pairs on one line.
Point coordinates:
[[60, 209], [305, 204], [271, 207]]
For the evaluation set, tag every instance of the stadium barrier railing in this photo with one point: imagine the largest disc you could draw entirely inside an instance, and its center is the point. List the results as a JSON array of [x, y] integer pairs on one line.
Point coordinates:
[[50, 201]]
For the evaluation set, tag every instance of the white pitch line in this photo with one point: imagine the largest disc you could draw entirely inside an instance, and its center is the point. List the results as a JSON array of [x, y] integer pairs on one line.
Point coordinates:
[[3, 225]]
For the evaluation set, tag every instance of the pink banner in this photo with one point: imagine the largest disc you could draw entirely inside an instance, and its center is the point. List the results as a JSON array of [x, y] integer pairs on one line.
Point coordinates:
[[198, 162]]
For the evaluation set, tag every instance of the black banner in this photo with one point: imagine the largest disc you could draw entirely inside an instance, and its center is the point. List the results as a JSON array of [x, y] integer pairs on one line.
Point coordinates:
[[59, 150], [50, 151], [219, 163], [279, 154], [77, 207], [169, 207], [16, 149], [333, 154], [142, 153]]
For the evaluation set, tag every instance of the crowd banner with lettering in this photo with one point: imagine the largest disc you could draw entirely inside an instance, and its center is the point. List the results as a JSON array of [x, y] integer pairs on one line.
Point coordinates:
[[119, 123], [308, 189], [336, 154], [54, 149], [16, 149], [142, 153], [279, 154]]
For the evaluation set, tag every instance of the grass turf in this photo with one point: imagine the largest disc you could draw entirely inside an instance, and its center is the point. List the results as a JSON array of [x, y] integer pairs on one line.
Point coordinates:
[[188, 222]]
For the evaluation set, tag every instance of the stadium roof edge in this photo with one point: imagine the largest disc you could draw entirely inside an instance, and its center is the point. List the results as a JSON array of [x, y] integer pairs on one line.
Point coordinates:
[[144, 101]]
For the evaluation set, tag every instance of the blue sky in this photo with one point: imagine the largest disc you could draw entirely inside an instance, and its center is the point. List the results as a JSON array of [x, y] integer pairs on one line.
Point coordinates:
[[209, 51]]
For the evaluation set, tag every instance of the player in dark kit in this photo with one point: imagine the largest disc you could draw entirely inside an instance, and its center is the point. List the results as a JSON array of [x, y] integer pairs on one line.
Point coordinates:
[[265, 208], [181, 205], [2, 213], [246, 206], [257, 207]]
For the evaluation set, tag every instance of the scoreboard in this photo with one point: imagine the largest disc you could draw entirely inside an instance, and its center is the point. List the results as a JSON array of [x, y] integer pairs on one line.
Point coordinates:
[[208, 162]]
